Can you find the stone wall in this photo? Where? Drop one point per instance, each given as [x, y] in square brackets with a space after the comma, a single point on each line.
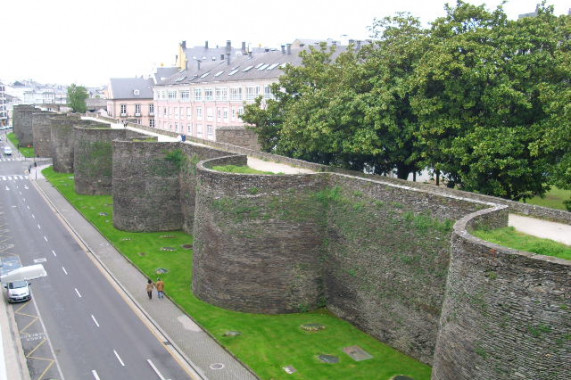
[93, 158]
[387, 259]
[22, 123]
[258, 240]
[146, 189]
[41, 123]
[239, 136]
[62, 141]
[506, 313]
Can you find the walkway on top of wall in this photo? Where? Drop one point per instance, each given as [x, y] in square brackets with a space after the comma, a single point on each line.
[541, 228]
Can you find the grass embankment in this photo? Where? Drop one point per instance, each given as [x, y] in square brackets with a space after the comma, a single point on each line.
[266, 343]
[26, 151]
[509, 237]
[554, 198]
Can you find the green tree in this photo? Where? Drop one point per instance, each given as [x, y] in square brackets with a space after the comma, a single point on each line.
[76, 96]
[485, 96]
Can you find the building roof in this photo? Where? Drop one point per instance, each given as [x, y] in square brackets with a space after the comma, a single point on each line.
[131, 88]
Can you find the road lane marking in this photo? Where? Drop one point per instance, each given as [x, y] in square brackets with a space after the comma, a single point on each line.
[94, 320]
[119, 358]
[95, 375]
[155, 369]
[39, 227]
[64, 271]
[40, 260]
[54, 252]
[46, 238]
[33, 216]
[78, 293]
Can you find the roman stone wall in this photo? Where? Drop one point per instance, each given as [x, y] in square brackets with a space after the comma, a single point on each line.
[239, 136]
[258, 240]
[62, 141]
[22, 123]
[41, 124]
[193, 154]
[506, 314]
[146, 188]
[387, 259]
[93, 158]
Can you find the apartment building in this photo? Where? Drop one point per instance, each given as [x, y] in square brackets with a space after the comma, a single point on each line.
[131, 100]
[211, 87]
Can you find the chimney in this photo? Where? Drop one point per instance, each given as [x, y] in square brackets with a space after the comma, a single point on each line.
[228, 51]
[243, 48]
[206, 44]
[288, 49]
[221, 57]
[183, 44]
[283, 49]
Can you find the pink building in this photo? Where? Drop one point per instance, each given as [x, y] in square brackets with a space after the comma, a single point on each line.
[131, 100]
[213, 86]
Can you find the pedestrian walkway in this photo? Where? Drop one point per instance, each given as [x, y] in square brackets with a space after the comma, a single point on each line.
[198, 348]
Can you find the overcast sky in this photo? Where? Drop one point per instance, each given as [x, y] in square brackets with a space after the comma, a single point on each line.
[65, 41]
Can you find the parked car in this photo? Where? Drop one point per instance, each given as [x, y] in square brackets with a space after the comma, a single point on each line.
[7, 151]
[18, 291]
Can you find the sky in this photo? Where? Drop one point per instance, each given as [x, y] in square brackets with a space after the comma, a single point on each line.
[86, 43]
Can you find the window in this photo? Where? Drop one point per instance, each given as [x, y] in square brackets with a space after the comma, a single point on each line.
[137, 110]
[199, 130]
[176, 112]
[210, 132]
[199, 113]
[189, 112]
[221, 93]
[165, 111]
[197, 94]
[252, 92]
[185, 95]
[209, 113]
[225, 114]
[208, 94]
[268, 92]
[219, 114]
[123, 110]
[189, 129]
[172, 94]
[151, 109]
[236, 93]
[152, 122]
[176, 127]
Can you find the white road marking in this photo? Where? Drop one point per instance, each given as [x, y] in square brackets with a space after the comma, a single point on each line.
[119, 358]
[94, 320]
[78, 293]
[54, 253]
[64, 271]
[33, 216]
[39, 227]
[95, 375]
[45, 238]
[40, 260]
[155, 369]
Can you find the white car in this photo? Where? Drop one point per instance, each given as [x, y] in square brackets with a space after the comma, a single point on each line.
[7, 151]
[18, 291]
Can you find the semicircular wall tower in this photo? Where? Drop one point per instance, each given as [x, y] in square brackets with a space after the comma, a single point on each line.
[257, 239]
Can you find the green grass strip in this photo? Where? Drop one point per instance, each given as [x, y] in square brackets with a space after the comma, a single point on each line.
[509, 237]
[266, 343]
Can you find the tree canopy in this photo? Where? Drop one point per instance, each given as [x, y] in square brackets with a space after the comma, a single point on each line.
[480, 99]
[76, 96]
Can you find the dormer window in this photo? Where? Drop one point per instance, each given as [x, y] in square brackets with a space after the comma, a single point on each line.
[136, 92]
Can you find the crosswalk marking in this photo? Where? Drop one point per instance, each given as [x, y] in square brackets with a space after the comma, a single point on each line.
[12, 177]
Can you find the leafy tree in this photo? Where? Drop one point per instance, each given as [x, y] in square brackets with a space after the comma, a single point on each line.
[76, 96]
[483, 97]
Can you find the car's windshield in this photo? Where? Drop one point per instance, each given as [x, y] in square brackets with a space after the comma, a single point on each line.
[17, 284]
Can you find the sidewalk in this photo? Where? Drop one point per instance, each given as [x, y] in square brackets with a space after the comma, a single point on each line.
[193, 344]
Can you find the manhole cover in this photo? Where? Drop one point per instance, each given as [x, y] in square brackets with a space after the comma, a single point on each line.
[312, 327]
[357, 353]
[216, 366]
[329, 359]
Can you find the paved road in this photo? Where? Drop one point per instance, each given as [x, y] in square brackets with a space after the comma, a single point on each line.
[541, 228]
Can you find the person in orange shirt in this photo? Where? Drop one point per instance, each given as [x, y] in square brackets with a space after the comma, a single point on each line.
[160, 288]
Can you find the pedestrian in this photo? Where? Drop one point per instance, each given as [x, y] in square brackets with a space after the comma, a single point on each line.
[160, 288]
[150, 287]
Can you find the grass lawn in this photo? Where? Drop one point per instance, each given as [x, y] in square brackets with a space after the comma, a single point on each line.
[26, 151]
[266, 343]
[509, 237]
[553, 199]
